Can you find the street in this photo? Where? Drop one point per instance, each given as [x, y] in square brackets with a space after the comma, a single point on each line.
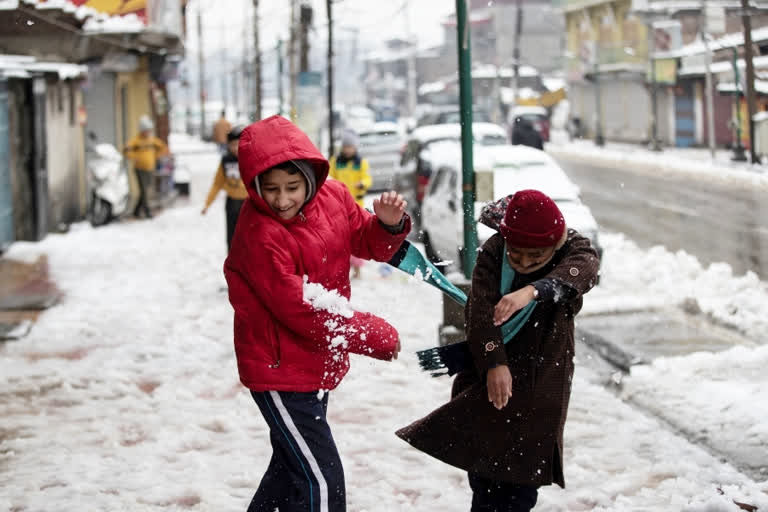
[714, 220]
[125, 396]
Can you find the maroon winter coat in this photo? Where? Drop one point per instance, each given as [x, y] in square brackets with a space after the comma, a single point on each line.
[523, 442]
[282, 343]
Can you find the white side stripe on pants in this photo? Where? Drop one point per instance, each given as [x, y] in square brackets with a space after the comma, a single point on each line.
[304, 450]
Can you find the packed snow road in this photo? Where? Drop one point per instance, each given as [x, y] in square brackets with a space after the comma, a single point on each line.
[125, 396]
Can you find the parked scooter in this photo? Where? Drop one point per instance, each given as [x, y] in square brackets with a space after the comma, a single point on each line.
[110, 189]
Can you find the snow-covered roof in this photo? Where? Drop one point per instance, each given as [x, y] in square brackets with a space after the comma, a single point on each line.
[22, 66]
[431, 87]
[727, 41]
[104, 24]
[761, 86]
[724, 66]
[491, 71]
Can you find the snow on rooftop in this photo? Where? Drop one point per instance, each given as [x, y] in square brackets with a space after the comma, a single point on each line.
[130, 23]
[491, 71]
[19, 66]
[9, 5]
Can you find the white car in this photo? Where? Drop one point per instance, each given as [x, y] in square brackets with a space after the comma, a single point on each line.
[499, 171]
[380, 145]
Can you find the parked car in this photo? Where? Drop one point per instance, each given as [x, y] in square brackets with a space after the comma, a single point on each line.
[451, 115]
[538, 116]
[499, 171]
[416, 161]
[380, 145]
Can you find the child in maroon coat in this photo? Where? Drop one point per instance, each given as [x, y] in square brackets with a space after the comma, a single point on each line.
[288, 278]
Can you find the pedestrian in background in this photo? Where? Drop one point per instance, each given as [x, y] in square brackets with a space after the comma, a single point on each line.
[293, 241]
[220, 130]
[143, 150]
[227, 177]
[352, 170]
[504, 424]
[524, 133]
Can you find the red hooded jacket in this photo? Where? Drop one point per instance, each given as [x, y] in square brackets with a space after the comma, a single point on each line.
[282, 342]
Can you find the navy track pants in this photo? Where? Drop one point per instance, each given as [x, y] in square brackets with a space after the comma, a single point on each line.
[305, 472]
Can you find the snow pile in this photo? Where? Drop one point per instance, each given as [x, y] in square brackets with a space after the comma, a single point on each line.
[632, 278]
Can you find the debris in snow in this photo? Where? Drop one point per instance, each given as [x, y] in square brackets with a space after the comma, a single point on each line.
[616, 377]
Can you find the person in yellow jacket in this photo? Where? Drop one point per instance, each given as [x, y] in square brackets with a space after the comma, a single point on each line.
[349, 168]
[228, 178]
[143, 150]
[352, 170]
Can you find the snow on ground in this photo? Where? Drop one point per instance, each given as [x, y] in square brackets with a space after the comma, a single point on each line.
[125, 396]
[686, 161]
[634, 278]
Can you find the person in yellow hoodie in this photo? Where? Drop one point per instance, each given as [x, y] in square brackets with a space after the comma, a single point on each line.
[143, 150]
[228, 178]
[352, 170]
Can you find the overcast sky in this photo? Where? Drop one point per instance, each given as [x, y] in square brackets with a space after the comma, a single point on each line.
[224, 21]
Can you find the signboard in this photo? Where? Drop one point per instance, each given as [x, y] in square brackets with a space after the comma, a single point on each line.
[310, 107]
[666, 71]
[715, 19]
[667, 36]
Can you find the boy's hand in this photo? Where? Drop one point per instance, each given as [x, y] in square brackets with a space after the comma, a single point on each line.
[499, 386]
[390, 208]
[511, 303]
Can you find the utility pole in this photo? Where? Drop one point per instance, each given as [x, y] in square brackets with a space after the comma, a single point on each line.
[655, 146]
[280, 76]
[745, 20]
[246, 66]
[201, 70]
[412, 93]
[738, 149]
[329, 13]
[467, 158]
[292, 61]
[708, 81]
[305, 21]
[516, 52]
[224, 89]
[257, 59]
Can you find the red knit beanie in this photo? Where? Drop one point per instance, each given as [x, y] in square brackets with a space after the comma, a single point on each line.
[532, 220]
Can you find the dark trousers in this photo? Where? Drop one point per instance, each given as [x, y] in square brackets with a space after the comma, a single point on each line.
[305, 472]
[233, 211]
[145, 182]
[494, 496]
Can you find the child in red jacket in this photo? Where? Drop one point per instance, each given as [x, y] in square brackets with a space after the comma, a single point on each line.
[288, 278]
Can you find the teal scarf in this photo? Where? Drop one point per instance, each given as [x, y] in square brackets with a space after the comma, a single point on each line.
[514, 324]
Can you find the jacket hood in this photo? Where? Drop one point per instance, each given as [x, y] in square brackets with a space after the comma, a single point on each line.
[273, 141]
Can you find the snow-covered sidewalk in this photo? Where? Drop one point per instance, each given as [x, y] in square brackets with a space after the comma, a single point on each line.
[637, 158]
[125, 396]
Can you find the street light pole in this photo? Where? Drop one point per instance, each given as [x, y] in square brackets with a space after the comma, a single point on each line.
[708, 82]
[599, 139]
[750, 70]
[738, 150]
[467, 158]
[655, 146]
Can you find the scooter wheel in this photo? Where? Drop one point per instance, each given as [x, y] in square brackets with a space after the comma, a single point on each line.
[101, 212]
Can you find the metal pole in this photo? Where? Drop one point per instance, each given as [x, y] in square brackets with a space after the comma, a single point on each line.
[750, 78]
[599, 140]
[708, 82]
[257, 59]
[468, 172]
[280, 76]
[292, 61]
[655, 146]
[201, 70]
[516, 51]
[412, 93]
[329, 11]
[738, 150]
